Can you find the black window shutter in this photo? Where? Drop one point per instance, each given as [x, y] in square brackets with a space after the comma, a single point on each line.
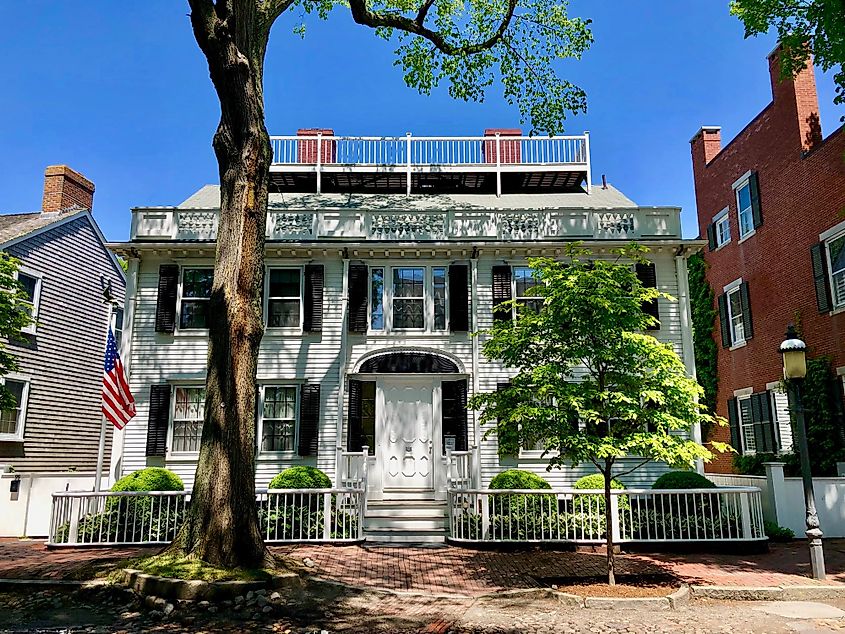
[455, 413]
[501, 291]
[168, 284]
[761, 415]
[733, 422]
[820, 278]
[309, 420]
[724, 322]
[158, 420]
[754, 189]
[647, 274]
[358, 296]
[509, 435]
[313, 318]
[354, 434]
[711, 236]
[747, 324]
[459, 298]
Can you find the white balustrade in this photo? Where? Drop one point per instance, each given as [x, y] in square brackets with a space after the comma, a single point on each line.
[578, 516]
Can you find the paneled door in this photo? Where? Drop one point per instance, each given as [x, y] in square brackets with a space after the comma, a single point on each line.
[406, 427]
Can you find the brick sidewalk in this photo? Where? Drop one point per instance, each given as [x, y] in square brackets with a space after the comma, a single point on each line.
[460, 570]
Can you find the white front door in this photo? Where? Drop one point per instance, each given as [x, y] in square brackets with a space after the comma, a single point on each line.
[406, 430]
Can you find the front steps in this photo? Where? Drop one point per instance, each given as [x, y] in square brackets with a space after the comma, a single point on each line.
[406, 521]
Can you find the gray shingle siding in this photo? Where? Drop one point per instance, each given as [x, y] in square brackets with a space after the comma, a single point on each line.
[64, 360]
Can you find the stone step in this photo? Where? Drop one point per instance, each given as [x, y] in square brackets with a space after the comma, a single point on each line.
[408, 523]
[403, 536]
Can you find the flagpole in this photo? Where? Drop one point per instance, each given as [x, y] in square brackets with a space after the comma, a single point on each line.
[101, 450]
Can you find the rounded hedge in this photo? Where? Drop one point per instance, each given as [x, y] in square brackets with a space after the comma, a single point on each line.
[301, 478]
[518, 479]
[596, 481]
[150, 479]
[682, 480]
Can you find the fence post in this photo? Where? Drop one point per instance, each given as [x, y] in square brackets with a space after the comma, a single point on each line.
[408, 164]
[319, 162]
[745, 513]
[338, 469]
[615, 525]
[75, 505]
[498, 165]
[327, 516]
[485, 517]
[448, 467]
[776, 492]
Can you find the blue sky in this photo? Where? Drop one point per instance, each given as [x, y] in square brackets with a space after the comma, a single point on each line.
[119, 91]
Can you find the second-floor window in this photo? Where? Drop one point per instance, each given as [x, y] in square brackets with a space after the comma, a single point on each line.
[188, 414]
[284, 298]
[12, 419]
[196, 292]
[743, 206]
[836, 253]
[722, 228]
[735, 314]
[414, 298]
[523, 281]
[409, 298]
[735, 317]
[31, 287]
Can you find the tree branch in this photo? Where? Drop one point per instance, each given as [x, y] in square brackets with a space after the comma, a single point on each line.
[272, 9]
[362, 14]
[643, 461]
[424, 11]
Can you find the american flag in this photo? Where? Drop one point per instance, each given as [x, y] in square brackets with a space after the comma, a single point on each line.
[118, 404]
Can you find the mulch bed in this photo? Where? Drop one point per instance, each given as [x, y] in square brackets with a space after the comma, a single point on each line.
[627, 586]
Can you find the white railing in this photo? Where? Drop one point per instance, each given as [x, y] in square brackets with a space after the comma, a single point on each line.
[460, 469]
[352, 469]
[578, 516]
[141, 517]
[404, 151]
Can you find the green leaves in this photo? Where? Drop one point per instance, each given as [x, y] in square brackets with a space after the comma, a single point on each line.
[591, 385]
[14, 316]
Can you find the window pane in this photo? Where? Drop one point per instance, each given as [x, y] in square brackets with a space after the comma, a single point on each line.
[743, 196]
[368, 415]
[187, 418]
[735, 307]
[9, 417]
[283, 313]
[524, 280]
[118, 326]
[837, 269]
[197, 282]
[438, 276]
[747, 423]
[284, 283]
[408, 282]
[377, 293]
[277, 435]
[278, 430]
[723, 231]
[280, 402]
[28, 283]
[408, 313]
[194, 314]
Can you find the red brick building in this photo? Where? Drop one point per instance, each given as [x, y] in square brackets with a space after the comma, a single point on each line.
[771, 203]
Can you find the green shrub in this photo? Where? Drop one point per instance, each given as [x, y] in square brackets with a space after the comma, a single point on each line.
[752, 464]
[584, 505]
[150, 479]
[777, 533]
[301, 477]
[596, 481]
[518, 479]
[682, 480]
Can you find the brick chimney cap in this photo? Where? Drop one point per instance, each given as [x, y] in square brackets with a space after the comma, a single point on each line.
[703, 129]
[502, 131]
[69, 172]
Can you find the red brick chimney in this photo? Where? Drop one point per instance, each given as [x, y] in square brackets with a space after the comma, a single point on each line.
[797, 100]
[705, 145]
[66, 189]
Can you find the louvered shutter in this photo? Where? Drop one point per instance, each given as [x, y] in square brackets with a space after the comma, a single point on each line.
[747, 322]
[459, 298]
[733, 423]
[764, 431]
[724, 322]
[309, 420]
[647, 274]
[354, 436]
[313, 295]
[501, 292]
[158, 420]
[711, 236]
[358, 296]
[508, 435]
[821, 279]
[754, 189]
[455, 413]
[168, 284]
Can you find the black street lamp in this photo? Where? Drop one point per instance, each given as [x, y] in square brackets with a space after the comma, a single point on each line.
[794, 353]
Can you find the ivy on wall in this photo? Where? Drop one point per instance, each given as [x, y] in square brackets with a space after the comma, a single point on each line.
[703, 322]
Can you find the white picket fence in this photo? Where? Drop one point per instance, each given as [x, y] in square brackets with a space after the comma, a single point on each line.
[578, 516]
[108, 518]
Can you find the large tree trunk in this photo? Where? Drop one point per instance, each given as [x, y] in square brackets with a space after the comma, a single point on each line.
[608, 523]
[221, 526]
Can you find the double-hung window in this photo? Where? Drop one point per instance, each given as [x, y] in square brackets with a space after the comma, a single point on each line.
[12, 418]
[196, 292]
[735, 317]
[836, 266]
[743, 206]
[284, 298]
[377, 298]
[278, 418]
[188, 414]
[746, 422]
[523, 281]
[118, 326]
[31, 288]
[408, 298]
[722, 226]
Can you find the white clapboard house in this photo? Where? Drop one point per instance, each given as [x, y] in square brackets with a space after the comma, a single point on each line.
[383, 255]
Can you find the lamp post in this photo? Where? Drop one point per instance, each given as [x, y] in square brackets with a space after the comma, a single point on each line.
[794, 353]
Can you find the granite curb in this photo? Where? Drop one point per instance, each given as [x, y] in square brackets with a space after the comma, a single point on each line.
[769, 593]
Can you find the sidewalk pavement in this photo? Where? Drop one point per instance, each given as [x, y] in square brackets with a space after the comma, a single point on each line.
[453, 570]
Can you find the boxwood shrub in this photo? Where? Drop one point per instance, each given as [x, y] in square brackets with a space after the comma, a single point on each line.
[682, 480]
[518, 479]
[301, 477]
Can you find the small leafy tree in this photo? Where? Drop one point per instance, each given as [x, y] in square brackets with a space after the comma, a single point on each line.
[590, 383]
[14, 316]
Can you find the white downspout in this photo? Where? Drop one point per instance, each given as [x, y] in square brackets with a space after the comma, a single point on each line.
[341, 370]
[476, 425]
[687, 347]
[131, 294]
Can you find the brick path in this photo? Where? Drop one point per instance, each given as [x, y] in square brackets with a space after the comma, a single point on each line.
[460, 570]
